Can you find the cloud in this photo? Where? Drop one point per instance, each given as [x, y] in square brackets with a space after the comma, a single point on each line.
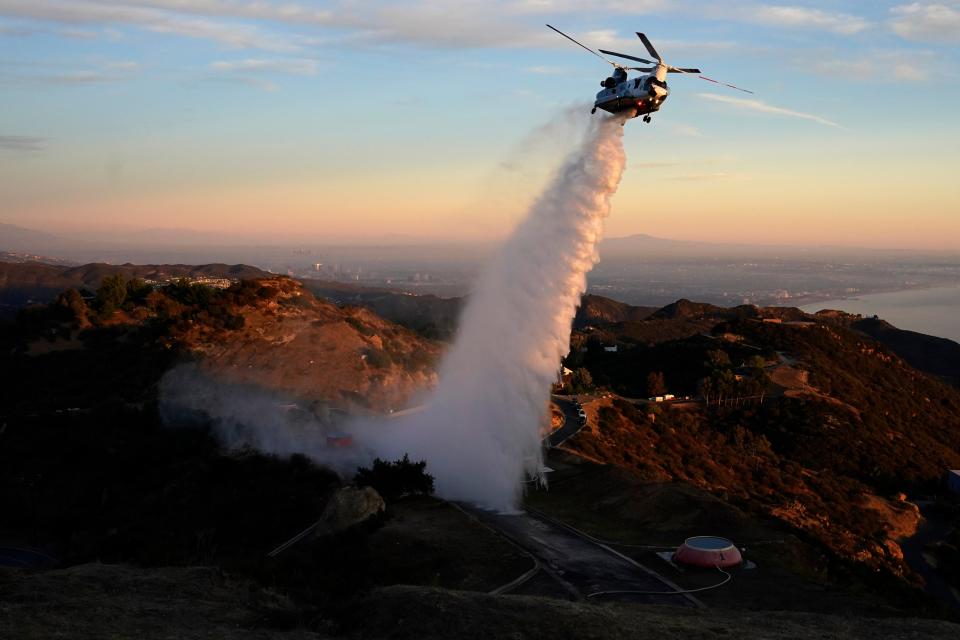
[57, 74]
[805, 18]
[701, 177]
[873, 65]
[763, 107]
[927, 21]
[122, 65]
[15, 31]
[547, 70]
[653, 165]
[251, 71]
[230, 34]
[291, 66]
[21, 143]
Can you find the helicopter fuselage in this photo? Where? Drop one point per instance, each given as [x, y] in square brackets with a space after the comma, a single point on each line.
[640, 95]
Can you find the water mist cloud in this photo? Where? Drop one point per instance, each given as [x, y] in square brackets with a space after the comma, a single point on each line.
[480, 435]
[480, 430]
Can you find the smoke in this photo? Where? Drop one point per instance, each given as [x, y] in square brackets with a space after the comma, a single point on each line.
[248, 416]
[481, 432]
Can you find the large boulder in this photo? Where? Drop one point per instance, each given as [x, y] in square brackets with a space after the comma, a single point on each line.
[349, 506]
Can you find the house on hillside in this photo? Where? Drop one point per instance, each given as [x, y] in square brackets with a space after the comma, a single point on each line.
[953, 480]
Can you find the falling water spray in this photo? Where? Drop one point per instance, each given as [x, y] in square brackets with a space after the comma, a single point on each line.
[480, 433]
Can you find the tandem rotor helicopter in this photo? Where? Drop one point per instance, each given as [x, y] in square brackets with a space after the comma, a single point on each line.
[642, 95]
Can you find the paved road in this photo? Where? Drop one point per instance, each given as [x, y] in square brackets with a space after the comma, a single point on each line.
[581, 566]
[571, 424]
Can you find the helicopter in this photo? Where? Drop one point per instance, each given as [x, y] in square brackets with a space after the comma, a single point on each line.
[642, 95]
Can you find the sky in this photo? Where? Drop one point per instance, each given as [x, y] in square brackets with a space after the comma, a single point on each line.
[353, 121]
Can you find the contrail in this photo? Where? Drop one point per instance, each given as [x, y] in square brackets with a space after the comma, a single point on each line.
[480, 435]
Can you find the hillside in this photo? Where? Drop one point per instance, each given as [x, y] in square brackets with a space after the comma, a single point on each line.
[811, 423]
[203, 603]
[267, 334]
[595, 309]
[927, 353]
[430, 316]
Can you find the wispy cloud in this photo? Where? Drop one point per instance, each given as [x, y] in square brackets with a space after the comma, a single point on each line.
[872, 65]
[144, 15]
[291, 66]
[653, 165]
[66, 74]
[763, 107]
[805, 18]
[927, 21]
[701, 177]
[21, 143]
[121, 65]
[547, 71]
[254, 72]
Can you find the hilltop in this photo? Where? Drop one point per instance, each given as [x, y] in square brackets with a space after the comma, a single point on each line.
[270, 333]
[25, 281]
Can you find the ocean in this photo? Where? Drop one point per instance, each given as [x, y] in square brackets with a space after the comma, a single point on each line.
[935, 312]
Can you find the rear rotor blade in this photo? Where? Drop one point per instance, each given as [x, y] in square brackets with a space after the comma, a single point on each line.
[696, 72]
[623, 55]
[585, 47]
[732, 86]
[644, 69]
[649, 45]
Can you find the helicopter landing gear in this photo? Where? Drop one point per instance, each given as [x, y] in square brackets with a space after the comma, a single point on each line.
[646, 119]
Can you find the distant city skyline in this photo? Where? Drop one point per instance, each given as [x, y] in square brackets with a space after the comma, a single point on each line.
[428, 120]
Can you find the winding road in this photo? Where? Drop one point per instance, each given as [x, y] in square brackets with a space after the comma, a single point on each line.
[571, 421]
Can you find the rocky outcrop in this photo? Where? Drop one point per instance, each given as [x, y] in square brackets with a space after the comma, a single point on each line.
[348, 507]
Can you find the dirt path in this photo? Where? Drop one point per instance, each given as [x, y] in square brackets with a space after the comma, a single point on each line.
[583, 567]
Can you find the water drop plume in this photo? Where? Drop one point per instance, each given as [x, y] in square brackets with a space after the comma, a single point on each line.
[481, 431]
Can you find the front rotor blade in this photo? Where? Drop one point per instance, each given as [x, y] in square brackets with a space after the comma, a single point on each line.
[623, 55]
[678, 70]
[644, 69]
[649, 45]
[584, 46]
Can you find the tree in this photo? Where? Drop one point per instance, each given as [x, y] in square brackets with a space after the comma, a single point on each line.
[656, 385]
[111, 294]
[393, 480]
[71, 306]
[137, 290]
[581, 381]
[717, 359]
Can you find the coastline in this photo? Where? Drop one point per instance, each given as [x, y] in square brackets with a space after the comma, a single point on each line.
[931, 310]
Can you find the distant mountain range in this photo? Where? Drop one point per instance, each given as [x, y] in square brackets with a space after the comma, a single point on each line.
[643, 245]
[122, 242]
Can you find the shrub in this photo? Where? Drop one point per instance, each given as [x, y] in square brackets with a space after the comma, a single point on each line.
[393, 480]
[377, 358]
[357, 324]
[111, 294]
